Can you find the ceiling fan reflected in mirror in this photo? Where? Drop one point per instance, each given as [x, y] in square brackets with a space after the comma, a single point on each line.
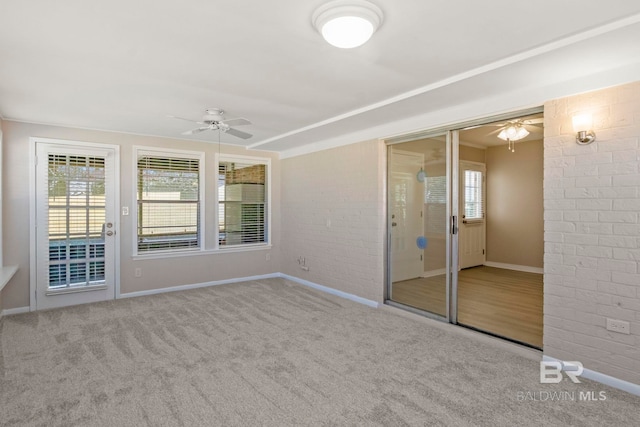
[213, 119]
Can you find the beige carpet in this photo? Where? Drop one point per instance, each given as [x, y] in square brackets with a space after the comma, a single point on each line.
[271, 353]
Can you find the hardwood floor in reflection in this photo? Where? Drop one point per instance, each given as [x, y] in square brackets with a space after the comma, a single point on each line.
[503, 302]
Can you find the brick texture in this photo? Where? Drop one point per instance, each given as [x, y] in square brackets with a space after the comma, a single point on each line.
[332, 204]
[592, 232]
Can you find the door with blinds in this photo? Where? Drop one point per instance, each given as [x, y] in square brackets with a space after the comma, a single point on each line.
[75, 218]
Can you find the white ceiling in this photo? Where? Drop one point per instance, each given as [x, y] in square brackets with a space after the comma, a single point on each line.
[125, 65]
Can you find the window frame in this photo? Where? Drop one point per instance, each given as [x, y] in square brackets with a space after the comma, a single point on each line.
[139, 151]
[253, 160]
[478, 168]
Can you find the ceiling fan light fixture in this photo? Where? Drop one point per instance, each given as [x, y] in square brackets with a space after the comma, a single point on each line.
[513, 132]
[347, 23]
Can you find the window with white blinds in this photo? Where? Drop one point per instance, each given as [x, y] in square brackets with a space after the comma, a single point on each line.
[242, 202]
[435, 199]
[473, 197]
[168, 199]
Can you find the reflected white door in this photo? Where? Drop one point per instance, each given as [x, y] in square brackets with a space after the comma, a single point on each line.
[407, 224]
[75, 224]
[472, 236]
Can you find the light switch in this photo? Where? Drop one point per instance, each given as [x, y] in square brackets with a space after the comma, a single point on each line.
[125, 210]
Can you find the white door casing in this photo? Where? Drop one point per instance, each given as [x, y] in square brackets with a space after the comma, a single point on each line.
[76, 223]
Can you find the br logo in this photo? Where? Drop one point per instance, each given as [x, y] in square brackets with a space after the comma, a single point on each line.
[551, 371]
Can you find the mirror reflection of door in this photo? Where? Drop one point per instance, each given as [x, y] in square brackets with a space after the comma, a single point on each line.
[406, 215]
[418, 215]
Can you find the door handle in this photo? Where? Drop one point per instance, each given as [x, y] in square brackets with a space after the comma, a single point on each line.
[393, 224]
[110, 233]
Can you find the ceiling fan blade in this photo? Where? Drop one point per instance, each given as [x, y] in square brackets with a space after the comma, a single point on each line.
[533, 121]
[238, 121]
[186, 120]
[238, 133]
[194, 131]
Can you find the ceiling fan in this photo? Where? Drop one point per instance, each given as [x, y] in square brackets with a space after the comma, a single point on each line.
[213, 119]
[529, 125]
[515, 130]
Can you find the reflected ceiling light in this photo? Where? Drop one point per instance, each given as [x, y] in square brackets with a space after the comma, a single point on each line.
[347, 23]
[512, 133]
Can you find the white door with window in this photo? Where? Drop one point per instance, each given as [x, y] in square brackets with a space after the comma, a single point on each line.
[472, 251]
[76, 223]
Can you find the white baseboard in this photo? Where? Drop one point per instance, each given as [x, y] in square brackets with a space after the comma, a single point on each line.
[10, 311]
[604, 379]
[525, 268]
[331, 291]
[326, 289]
[433, 273]
[196, 285]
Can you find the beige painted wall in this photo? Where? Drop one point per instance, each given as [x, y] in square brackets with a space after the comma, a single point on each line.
[333, 216]
[472, 154]
[592, 232]
[515, 205]
[157, 273]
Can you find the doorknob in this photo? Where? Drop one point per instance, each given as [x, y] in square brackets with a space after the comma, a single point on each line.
[393, 224]
[110, 233]
[109, 225]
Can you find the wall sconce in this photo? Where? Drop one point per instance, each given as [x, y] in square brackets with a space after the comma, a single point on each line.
[582, 124]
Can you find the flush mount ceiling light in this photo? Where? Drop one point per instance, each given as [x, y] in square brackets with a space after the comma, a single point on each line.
[347, 23]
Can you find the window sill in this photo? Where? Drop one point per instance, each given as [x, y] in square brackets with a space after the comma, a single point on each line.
[202, 252]
[6, 273]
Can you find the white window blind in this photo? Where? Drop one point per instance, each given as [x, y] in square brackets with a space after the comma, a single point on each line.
[76, 218]
[473, 197]
[242, 206]
[435, 199]
[168, 203]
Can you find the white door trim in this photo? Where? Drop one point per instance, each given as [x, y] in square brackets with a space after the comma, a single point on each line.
[33, 141]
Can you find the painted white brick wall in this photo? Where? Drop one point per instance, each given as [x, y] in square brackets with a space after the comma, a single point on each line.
[592, 232]
[332, 215]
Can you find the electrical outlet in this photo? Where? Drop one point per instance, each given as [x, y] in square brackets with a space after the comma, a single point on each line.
[137, 272]
[267, 257]
[619, 326]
